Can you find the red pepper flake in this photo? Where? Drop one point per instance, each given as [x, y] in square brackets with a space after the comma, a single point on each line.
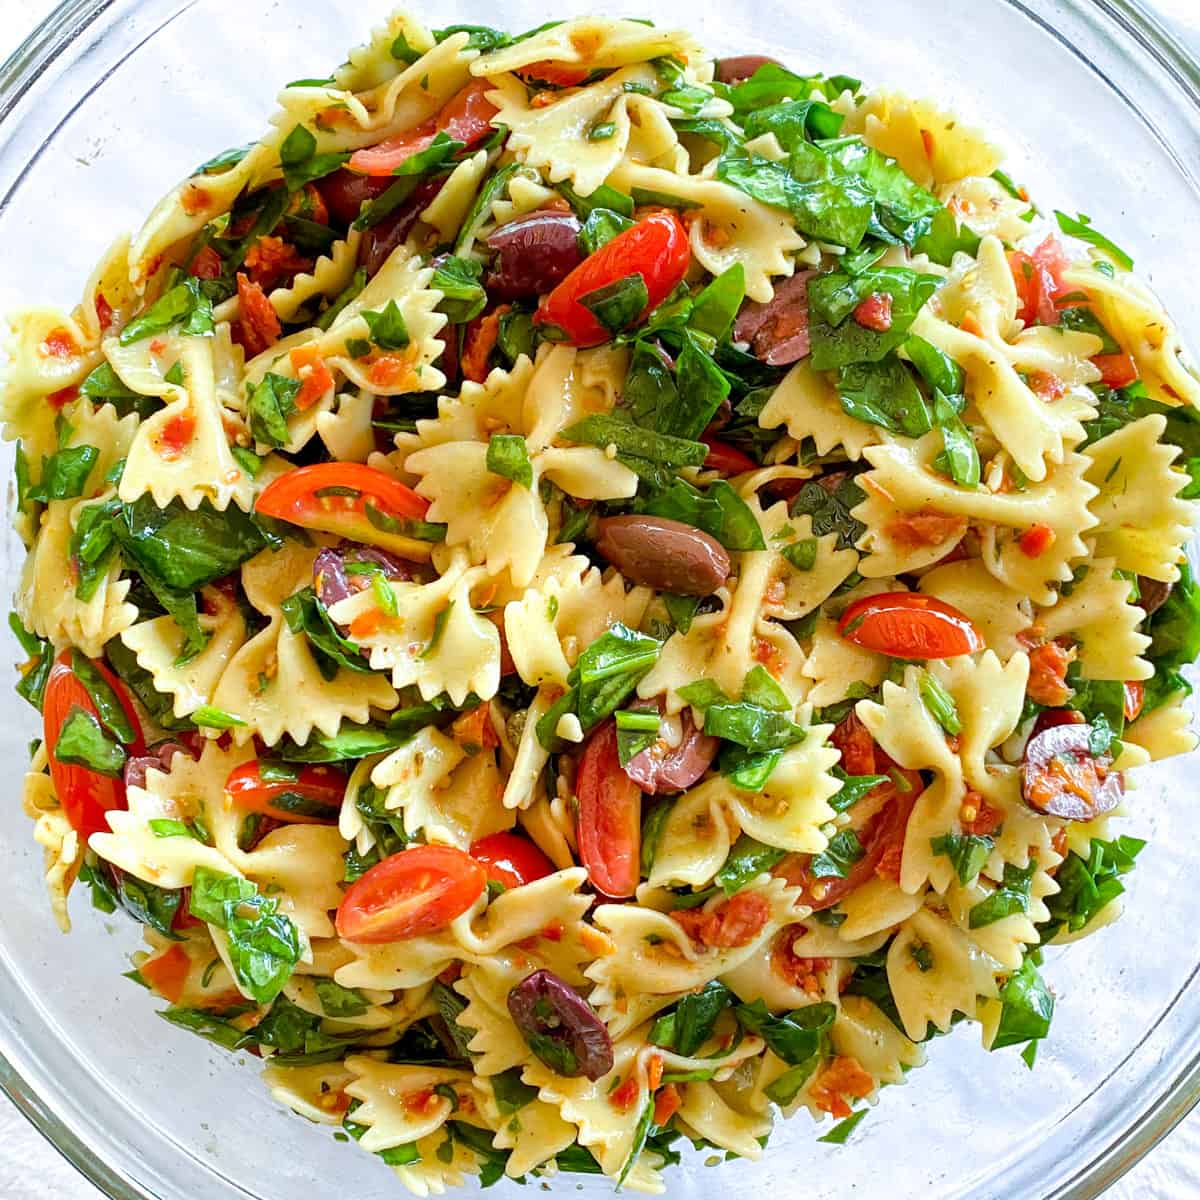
[62, 397]
[1036, 540]
[978, 817]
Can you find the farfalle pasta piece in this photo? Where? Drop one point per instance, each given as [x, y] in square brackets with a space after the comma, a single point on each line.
[695, 838]
[182, 451]
[46, 599]
[706, 1112]
[956, 976]
[904, 481]
[400, 1104]
[807, 404]
[348, 432]
[534, 1133]
[273, 683]
[445, 212]
[1132, 313]
[329, 277]
[1006, 940]
[313, 1092]
[987, 207]
[730, 226]
[879, 904]
[1143, 523]
[373, 63]
[803, 570]
[435, 640]
[62, 849]
[509, 929]
[1164, 731]
[1098, 616]
[995, 357]
[834, 663]
[862, 1032]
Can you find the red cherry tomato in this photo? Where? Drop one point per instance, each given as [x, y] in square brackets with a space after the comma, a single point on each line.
[466, 117]
[333, 497]
[84, 795]
[1117, 370]
[313, 797]
[610, 816]
[511, 859]
[727, 459]
[655, 248]
[1038, 279]
[909, 625]
[410, 894]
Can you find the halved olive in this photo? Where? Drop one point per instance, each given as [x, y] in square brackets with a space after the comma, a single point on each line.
[560, 1026]
[666, 555]
[1061, 777]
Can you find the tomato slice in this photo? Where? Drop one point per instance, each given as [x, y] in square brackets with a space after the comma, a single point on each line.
[909, 625]
[466, 117]
[167, 973]
[410, 894]
[1116, 370]
[312, 797]
[727, 459]
[655, 248]
[1038, 280]
[610, 816]
[84, 795]
[342, 498]
[511, 859]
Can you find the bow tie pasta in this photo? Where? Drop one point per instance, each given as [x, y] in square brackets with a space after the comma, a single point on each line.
[586, 595]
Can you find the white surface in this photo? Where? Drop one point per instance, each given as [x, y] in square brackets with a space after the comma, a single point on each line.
[30, 1169]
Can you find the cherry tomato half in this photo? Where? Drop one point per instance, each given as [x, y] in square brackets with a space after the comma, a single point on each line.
[84, 795]
[466, 117]
[727, 459]
[313, 797]
[1116, 370]
[1038, 280]
[334, 498]
[511, 859]
[410, 894]
[909, 625]
[655, 248]
[610, 816]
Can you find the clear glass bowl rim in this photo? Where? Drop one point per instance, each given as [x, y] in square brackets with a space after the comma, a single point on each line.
[21, 71]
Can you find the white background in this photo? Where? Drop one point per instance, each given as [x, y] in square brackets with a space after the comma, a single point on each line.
[30, 1169]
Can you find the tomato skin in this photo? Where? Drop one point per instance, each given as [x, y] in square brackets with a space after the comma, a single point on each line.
[410, 894]
[466, 117]
[322, 786]
[727, 459]
[875, 312]
[557, 74]
[258, 326]
[1116, 370]
[656, 248]
[293, 498]
[610, 816]
[167, 973]
[511, 859]
[84, 795]
[1135, 698]
[909, 625]
[1036, 540]
[1038, 280]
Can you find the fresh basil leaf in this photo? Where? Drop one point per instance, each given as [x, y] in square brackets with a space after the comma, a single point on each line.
[840, 1133]
[745, 862]
[83, 742]
[967, 852]
[830, 511]
[960, 456]
[759, 687]
[835, 861]
[353, 289]
[160, 705]
[1088, 886]
[104, 698]
[64, 474]
[637, 730]
[481, 37]
[696, 1015]
[786, 1087]
[939, 702]
[207, 716]
[599, 228]
[223, 161]
[838, 340]
[604, 430]
[338, 1001]
[752, 726]
[463, 297]
[209, 1026]
[854, 788]
[609, 669]
[272, 401]
[935, 366]
[885, 394]
[802, 554]
[1080, 227]
[1011, 897]
[945, 238]
[516, 335]
[34, 673]
[681, 610]
[716, 307]
[701, 386]
[602, 197]
[794, 121]
[796, 1036]
[305, 613]
[1028, 1008]
[508, 457]
[300, 161]
[718, 510]
[652, 828]
[702, 694]
[185, 305]
[388, 330]
[511, 1091]
[619, 304]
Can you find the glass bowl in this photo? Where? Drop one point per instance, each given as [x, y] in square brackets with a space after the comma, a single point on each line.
[110, 102]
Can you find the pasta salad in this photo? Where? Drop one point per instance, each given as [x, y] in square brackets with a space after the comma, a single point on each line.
[584, 594]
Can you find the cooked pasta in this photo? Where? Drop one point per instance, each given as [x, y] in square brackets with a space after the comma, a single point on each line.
[584, 594]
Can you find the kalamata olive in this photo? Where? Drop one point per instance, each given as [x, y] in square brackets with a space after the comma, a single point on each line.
[533, 253]
[1061, 777]
[560, 1026]
[666, 555]
[344, 192]
[158, 758]
[1152, 594]
[380, 240]
[1048, 718]
[332, 582]
[663, 768]
[777, 330]
[742, 66]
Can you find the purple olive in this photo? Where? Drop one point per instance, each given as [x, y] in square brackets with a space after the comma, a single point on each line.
[329, 577]
[1061, 777]
[533, 253]
[777, 330]
[562, 1028]
[158, 758]
[660, 769]
[332, 582]
[742, 66]
[1152, 594]
[666, 555]
[380, 240]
